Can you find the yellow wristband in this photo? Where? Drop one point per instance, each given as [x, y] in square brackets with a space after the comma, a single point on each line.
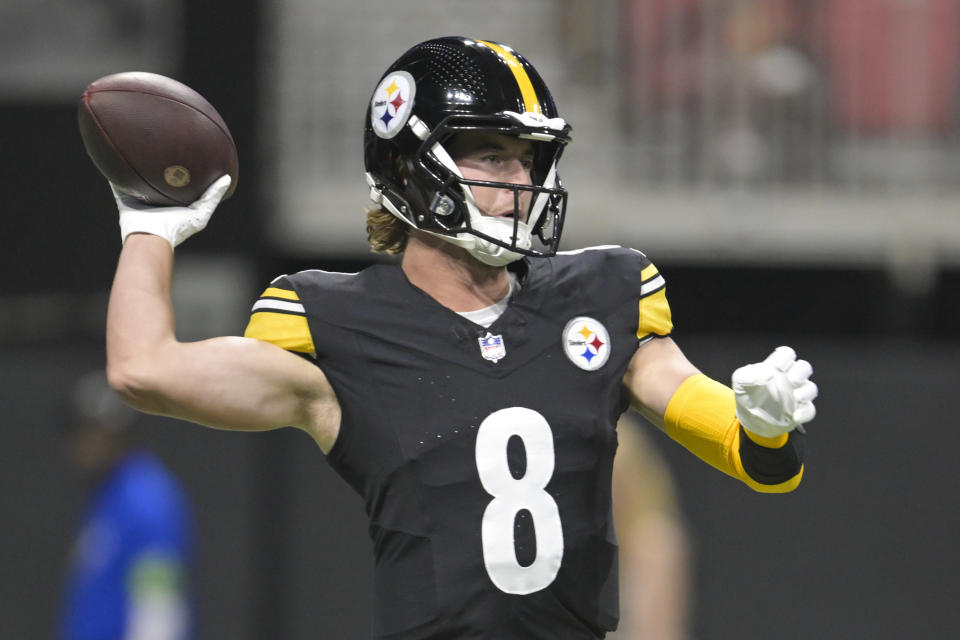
[702, 416]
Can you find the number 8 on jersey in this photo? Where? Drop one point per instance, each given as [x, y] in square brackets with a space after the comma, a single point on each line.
[512, 495]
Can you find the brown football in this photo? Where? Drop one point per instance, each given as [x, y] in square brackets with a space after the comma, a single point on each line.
[155, 138]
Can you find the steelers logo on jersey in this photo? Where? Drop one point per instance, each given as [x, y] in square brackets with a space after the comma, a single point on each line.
[587, 343]
[392, 103]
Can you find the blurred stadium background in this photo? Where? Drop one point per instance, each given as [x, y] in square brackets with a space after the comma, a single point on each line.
[790, 165]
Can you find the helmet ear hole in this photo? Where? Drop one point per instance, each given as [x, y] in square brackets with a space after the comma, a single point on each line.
[442, 205]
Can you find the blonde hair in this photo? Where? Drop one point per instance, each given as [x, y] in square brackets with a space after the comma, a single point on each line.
[386, 233]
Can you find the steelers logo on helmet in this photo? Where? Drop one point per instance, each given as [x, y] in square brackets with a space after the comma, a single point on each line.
[392, 103]
[587, 343]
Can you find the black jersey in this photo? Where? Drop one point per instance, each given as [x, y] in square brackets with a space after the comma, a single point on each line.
[483, 455]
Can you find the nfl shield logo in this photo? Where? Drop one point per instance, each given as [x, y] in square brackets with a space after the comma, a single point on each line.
[491, 347]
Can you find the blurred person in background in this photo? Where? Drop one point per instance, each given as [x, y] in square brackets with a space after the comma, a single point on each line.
[470, 390]
[129, 569]
[655, 544]
[734, 85]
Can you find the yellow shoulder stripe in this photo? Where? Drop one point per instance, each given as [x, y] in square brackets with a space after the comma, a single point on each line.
[654, 315]
[286, 330]
[285, 294]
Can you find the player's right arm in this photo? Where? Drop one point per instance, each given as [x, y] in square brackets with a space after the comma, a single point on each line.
[744, 431]
[226, 382]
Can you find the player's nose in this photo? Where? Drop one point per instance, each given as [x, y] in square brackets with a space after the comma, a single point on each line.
[517, 172]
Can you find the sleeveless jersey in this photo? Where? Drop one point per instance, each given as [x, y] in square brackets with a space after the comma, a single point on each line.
[483, 455]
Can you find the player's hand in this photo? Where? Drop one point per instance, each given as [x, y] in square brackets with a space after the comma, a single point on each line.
[775, 396]
[174, 224]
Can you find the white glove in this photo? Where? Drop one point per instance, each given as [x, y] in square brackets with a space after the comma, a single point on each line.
[174, 224]
[775, 396]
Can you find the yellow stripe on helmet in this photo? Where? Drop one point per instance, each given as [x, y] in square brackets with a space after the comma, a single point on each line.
[530, 100]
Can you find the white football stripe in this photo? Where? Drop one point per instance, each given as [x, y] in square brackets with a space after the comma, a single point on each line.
[278, 305]
[652, 285]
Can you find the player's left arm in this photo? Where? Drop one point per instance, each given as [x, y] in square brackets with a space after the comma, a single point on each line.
[749, 431]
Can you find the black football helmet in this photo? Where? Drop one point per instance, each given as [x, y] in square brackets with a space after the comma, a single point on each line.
[450, 85]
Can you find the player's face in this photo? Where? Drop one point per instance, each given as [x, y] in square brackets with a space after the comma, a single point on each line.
[495, 158]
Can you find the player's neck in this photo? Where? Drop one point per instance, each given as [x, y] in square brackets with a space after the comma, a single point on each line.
[451, 276]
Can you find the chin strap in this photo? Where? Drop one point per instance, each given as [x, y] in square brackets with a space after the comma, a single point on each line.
[483, 250]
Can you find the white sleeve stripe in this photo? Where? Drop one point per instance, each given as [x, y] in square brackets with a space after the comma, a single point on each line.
[266, 304]
[652, 285]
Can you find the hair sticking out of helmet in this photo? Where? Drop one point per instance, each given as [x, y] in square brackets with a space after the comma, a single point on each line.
[452, 85]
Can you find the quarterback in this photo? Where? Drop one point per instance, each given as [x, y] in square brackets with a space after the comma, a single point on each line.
[468, 391]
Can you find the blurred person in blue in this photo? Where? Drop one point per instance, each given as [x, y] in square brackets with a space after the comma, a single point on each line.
[128, 572]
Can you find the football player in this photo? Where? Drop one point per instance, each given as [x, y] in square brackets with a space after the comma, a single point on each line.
[469, 391]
